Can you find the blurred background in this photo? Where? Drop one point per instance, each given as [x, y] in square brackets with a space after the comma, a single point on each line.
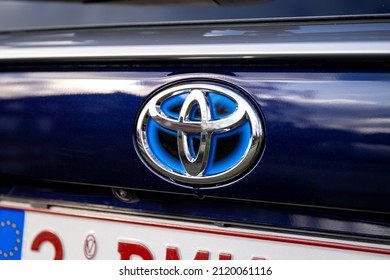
[17, 14]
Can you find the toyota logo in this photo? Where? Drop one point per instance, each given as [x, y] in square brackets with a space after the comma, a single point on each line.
[205, 134]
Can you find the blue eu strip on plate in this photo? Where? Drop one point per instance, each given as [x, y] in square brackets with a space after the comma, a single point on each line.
[11, 234]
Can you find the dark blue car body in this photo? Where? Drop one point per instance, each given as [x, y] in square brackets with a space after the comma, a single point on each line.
[69, 104]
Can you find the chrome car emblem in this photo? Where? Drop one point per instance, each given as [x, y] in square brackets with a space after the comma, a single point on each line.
[205, 134]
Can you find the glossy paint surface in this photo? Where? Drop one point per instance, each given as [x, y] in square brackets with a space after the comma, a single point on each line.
[327, 133]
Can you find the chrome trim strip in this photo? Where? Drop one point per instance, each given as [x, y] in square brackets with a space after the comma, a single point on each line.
[200, 51]
[244, 40]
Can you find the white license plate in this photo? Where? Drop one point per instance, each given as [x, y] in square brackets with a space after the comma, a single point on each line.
[62, 233]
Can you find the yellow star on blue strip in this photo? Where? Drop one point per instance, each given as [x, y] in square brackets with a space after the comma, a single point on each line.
[11, 234]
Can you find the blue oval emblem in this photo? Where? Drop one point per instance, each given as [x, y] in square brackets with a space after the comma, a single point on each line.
[199, 133]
